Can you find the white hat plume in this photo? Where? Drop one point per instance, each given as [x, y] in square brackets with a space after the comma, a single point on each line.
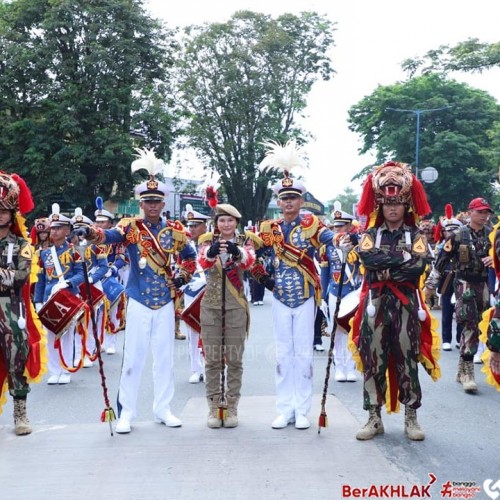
[147, 159]
[284, 158]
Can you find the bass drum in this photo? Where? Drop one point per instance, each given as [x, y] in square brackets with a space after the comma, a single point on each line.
[348, 307]
[60, 310]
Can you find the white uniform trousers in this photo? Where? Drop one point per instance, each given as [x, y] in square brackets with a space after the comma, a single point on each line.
[195, 357]
[147, 327]
[342, 356]
[294, 335]
[54, 366]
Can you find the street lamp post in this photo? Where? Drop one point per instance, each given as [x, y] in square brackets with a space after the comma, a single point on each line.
[417, 112]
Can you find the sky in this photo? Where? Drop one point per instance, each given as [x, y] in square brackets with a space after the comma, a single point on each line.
[372, 38]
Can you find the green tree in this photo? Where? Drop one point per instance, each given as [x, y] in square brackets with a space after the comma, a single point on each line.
[456, 141]
[75, 77]
[471, 56]
[347, 199]
[244, 82]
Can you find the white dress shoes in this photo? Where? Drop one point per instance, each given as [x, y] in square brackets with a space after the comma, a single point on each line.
[64, 378]
[281, 421]
[318, 347]
[123, 426]
[169, 420]
[196, 378]
[53, 380]
[302, 422]
[446, 346]
[351, 376]
[87, 362]
[340, 376]
[110, 350]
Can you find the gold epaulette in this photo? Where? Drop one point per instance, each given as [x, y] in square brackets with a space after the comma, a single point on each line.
[310, 225]
[205, 237]
[265, 226]
[258, 243]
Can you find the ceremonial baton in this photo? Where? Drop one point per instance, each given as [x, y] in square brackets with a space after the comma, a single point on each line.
[222, 403]
[323, 419]
[108, 414]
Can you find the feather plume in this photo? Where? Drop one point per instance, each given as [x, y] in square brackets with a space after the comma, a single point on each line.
[56, 209]
[211, 196]
[284, 158]
[146, 159]
[25, 202]
[448, 210]
[189, 207]
[99, 203]
[78, 212]
[337, 206]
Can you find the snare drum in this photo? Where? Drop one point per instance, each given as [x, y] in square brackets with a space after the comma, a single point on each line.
[60, 310]
[96, 294]
[113, 289]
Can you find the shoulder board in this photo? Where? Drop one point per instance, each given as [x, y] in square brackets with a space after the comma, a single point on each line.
[254, 238]
[265, 226]
[205, 237]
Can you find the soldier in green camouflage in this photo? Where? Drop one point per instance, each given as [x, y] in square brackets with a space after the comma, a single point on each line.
[15, 263]
[392, 316]
[468, 249]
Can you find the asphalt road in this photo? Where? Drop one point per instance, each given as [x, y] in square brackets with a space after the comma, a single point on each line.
[462, 431]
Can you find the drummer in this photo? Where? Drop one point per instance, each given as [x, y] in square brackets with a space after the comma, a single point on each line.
[116, 261]
[97, 266]
[331, 267]
[197, 225]
[60, 268]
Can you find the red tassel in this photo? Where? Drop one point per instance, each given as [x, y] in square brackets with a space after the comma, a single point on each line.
[419, 198]
[448, 210]
[26, 203]
[367, 201]
[34, 236]
[211, 197]
[323, 420]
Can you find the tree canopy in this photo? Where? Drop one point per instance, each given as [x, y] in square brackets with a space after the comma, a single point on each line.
[471, 56]
[455, 140]
[244, 82]
[76, 76]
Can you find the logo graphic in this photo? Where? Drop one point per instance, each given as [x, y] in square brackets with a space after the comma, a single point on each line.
[492, 490]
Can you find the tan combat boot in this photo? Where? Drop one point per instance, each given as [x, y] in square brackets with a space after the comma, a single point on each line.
[412, 428]
[468, 382]
[213, 421]
[232, 412]
[374, 425]
[461, 369]
[21, 422]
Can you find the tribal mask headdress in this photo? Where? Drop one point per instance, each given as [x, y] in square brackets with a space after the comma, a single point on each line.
[393, 183]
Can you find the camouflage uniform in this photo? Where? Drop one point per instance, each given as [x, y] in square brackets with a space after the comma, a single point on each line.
[465, 249]
[392, 334]
[13, 340]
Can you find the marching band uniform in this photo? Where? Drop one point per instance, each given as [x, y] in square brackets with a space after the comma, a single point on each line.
[115, 256]
[196, 224]
[151, 289]
[388, 332]
[468, 250]
[15, 263]
[331, 268]
[50, 281]
[97, 265]
[225, 316]
[292, 242]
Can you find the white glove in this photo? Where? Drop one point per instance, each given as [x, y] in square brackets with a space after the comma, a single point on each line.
[345, 244]
[59, 286]
[91, 280]
[493, 301]
[38, 306]
[197, 283]
[324, 307]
